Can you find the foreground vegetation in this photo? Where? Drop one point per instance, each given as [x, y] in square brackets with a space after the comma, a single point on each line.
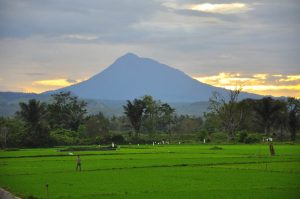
[64, 121]
[160, 171]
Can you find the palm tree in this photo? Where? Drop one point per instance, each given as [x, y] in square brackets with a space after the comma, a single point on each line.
[33, 114]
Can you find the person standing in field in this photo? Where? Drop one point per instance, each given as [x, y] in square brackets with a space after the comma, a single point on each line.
[78, 163]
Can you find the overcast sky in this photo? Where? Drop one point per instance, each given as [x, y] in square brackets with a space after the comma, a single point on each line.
[50, 44]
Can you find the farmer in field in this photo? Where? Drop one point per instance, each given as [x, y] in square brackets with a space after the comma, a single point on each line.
[78, 163]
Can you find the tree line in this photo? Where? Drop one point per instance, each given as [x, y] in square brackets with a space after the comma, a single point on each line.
[267, 117]
[64, 121]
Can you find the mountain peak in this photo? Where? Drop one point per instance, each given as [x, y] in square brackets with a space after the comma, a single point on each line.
[129, 55]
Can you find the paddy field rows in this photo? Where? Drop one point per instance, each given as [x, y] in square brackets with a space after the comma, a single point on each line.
[164, 171]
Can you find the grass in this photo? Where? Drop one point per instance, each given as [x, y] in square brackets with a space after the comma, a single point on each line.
[168, 171]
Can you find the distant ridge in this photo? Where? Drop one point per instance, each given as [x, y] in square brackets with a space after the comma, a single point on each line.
[131, 76]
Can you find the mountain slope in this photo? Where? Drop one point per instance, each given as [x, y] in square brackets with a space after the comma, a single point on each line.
[131, 77]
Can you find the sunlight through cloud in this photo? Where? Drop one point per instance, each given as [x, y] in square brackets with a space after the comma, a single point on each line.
[229, 8]
[224, 8]
[265, 84]
[54, 82]
[50, 84]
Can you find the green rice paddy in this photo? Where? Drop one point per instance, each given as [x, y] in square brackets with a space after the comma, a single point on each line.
[156, 172]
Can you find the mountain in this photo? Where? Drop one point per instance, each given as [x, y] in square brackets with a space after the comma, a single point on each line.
[131, 76]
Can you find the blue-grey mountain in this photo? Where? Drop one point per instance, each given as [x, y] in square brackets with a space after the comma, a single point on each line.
[131, 77]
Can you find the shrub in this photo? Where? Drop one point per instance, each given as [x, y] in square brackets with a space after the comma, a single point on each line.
[137, 140]
[242, 136]
[253, 138]
[202, 135]
[216, 148]
[118, 139]
[64, 137]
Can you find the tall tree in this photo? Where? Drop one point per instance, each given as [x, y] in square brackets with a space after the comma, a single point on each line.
[267, 110]
[66, 111]
[12, 132]
[134, 111]
[281, 120]
[97, 125]
[229, 111]
[33, 114]
[293, 116]
[166, 113]
[151, 111]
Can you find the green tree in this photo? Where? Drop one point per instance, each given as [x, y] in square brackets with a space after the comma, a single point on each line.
[151, 111]
[33, 114]
[166, 117]
[212, 123]
[187, 125]
[66, 111]
[64, 137]
[267, 111]
[293, 105]
[12, 132]
[97, 125]
[281, 120]
[134, 111]
[230, 112]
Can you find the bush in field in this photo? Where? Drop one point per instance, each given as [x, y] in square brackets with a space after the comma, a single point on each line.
[253, 138]
[202, 135]
[137, 140]
[118, 139]
[64, 137]
[242, 136]
[249, 138]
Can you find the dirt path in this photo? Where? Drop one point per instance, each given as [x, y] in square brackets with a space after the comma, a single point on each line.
[6, 195]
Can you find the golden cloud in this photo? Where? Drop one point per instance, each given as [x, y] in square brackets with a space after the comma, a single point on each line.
[49, 84]
[265, 84]
[260, 76]
[225, 8]
[54, 82]
[228, 8]
[290, 78]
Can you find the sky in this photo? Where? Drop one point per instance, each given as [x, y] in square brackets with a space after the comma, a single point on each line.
[46, 45]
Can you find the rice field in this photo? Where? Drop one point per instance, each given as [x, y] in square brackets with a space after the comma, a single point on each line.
[162, 171]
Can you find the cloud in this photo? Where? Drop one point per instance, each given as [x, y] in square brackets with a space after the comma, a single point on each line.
[261, 76]
[290, 78]
[266, 84]
[36, 74]
[43, 85]
[223, 8]
[54, 82]
[21, 19]
[81, 38]
[230, 8]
